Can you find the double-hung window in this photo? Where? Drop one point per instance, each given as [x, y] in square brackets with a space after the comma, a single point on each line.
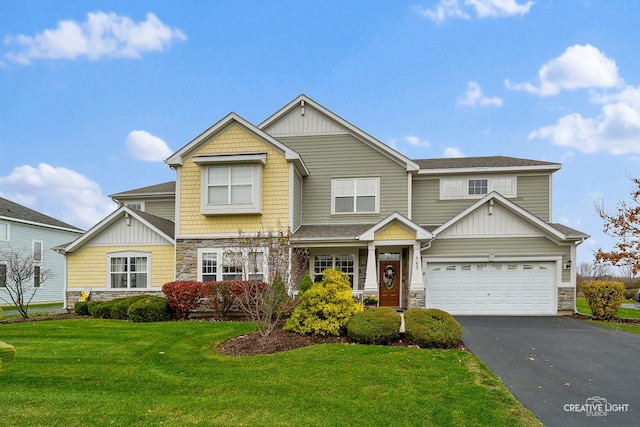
[4, 231]
[231, 184]
[129, 270]
[218, 264]
[355, 195]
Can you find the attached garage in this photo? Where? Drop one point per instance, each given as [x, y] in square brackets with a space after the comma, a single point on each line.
[493, 288]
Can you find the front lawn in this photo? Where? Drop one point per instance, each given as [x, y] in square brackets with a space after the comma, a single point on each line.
[107, 372]
[623, 313]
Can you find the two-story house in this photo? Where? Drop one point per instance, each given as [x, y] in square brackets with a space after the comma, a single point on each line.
[30, 237]
[467, 235]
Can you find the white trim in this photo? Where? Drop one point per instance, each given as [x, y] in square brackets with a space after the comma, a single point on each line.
[8, 228]
[410, 195]
[33, 252]
[255, 207]
[490, 186]
[40, 224]
[128, 254]
[355, 181]
[214, 159]
[421, 233]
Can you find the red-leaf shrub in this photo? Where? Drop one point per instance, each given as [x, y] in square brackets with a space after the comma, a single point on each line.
[183, 296]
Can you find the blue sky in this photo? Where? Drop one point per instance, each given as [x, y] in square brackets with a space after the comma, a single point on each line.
[94, 95]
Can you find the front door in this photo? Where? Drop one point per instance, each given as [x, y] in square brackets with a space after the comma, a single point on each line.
[389, 283]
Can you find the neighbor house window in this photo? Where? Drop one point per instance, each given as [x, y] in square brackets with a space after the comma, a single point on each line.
[4, 231]
[36, 276]
[129, 270]
[3, 275]
[470, 188]
[231, 183]
[355, 195]
[37, 251]
[342, 262]
[135, 205]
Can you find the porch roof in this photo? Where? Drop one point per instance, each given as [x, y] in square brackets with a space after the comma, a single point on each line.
[337, 232]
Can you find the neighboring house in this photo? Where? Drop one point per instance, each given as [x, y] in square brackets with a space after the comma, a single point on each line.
[32, 236]
[467, 235]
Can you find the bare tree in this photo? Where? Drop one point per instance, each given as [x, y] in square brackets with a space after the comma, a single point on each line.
[266, 263]
[21, 275]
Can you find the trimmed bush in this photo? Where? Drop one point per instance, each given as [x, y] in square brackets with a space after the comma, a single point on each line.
[120, 306]
[604, 297]
[91, 306]
[102, 310]
[431, 328]
[375, 326]
[184, 296]
[149, 309]
[326, 307]
[81, 308]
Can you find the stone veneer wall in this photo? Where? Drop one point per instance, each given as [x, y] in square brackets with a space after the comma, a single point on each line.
[417, 299]
[566, 300]
[74, 296]
[187, 257]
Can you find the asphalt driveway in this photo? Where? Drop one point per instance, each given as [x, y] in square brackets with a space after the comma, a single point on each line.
[566, 371]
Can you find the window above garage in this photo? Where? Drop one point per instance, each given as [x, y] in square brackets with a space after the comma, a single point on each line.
[477, 187]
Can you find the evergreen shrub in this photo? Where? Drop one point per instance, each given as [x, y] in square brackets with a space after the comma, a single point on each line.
[102, 310]
[604, 297]
[149, 309]
[120, 306]
[326, 307]
[305, 284]
[81, 308]
[431, 328]
[375, 326]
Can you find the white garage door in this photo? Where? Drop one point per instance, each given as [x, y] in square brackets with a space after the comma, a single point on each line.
[492, 288]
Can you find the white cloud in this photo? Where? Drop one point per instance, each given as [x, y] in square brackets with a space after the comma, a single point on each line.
[414, 141]
[453, 152]
[101, 35]
[499, 8]
[579, 67]
[474, 96]
[616, 130]
[446, 9]
[58, 192]
[141, 145]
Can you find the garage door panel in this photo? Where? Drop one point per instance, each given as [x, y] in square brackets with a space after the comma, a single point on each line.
[492, 288]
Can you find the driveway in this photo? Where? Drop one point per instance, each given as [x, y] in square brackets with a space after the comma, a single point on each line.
[566, 371]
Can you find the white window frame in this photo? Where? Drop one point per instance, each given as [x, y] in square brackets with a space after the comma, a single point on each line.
[255, 160]
[6, 236]
[355, 194]
[223, 263]
[135, 205]
[129, 255]
[316, 273]
[458, 188]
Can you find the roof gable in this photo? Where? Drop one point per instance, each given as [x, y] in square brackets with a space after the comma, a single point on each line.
[401, 220]
[304, 116]
[231, 119]
[121, 221]
[496, 215]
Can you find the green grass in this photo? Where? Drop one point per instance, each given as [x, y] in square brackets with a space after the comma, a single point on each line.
[104, 372]
[41, 309]
[623, 313]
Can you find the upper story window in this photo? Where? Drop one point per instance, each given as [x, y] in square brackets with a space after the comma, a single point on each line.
[37, 251]
[470, 188]
[231, 184]
[135, 205]
[355, 195]
[4, 231]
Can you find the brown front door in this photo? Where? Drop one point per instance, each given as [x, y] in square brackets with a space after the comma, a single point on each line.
[389, 283]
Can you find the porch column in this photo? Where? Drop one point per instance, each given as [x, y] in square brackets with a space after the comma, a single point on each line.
[371, 281]
[416, 269]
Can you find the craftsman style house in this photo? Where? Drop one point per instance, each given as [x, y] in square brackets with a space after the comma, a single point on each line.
[467, 235]
[28, 239]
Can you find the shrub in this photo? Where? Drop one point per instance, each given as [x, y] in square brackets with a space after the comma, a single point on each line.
[305, 284]
[604, 298]
[219, 298]
[326, 307]
[431, 328]
[81, 308]
[120, 306]
[630, 293]
[183, 296]
[102, 310]
[149, 309]
[91, 306]
[375, 326]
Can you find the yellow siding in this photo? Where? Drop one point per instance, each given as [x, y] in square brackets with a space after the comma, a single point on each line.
[88, 267]
[275, 188]
[395, 232]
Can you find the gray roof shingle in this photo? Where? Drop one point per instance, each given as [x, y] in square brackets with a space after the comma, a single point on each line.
[159, 189]
[12, 210]
[480, 162]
